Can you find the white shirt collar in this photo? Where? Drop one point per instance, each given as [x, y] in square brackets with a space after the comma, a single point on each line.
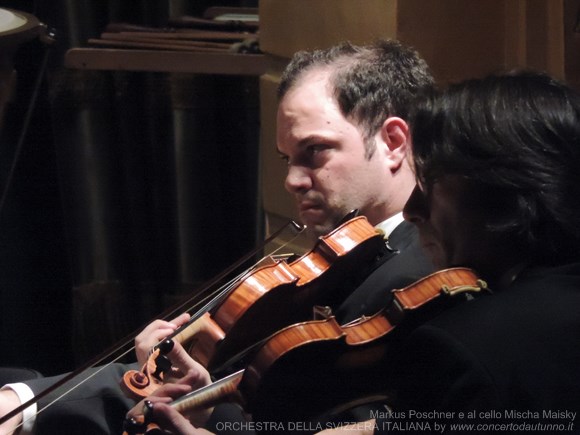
[387, 226]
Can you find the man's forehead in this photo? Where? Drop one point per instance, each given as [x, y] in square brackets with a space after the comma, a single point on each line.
[305, 106]
[316, 78]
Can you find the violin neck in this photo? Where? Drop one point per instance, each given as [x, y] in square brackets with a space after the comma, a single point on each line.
[222, 391]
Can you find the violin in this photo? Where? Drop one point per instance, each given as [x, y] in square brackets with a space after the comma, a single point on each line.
[258, 305]
[319, 367]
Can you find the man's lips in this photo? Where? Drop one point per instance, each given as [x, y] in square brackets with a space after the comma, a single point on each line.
[307, 206]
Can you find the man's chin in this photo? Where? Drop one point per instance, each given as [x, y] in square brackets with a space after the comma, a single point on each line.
[316, 229]
[319, 222]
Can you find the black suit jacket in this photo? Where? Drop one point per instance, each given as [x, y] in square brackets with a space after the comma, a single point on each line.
[405, 265]
[96, 407]
[511, 357]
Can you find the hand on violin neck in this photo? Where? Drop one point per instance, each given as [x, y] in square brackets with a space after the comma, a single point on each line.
[140, 418]
[156, 410]
[182, 364]
[155, 332]
[162, 362]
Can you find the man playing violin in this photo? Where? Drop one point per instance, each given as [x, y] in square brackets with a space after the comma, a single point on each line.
[497, 162]
[342, 131]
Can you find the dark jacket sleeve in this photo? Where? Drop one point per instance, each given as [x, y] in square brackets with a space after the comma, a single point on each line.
[96, 406]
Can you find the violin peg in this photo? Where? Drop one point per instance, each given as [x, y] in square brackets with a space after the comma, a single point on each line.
[162, 365]
[133, 426]
[166, 346]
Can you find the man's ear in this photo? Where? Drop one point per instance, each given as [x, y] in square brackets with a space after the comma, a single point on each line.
[396, 135]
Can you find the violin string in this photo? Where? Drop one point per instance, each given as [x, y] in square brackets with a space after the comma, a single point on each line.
[213, 298]
[219, 294]
[232, 283]
[298, 229]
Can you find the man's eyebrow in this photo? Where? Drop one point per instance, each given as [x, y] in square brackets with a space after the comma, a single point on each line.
[312, 139]
[308, 140]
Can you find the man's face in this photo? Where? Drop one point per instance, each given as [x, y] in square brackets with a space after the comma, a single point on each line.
[328, 172]
[452, 225]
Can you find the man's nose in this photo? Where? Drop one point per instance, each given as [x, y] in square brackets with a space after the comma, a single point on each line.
[297, 179]
[416, 209]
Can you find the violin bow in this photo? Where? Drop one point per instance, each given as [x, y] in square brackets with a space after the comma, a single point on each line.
[128, 340]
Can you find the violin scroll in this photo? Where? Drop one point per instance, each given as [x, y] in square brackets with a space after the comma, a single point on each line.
[203, 334]
[142, 383]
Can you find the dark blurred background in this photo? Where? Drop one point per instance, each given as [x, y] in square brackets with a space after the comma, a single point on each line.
[130, 189]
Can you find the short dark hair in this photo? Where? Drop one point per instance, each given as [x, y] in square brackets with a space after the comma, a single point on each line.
[370, 82]
[516, 138]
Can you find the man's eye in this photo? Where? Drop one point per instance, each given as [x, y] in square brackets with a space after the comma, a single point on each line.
[315, 149]
[285, 159]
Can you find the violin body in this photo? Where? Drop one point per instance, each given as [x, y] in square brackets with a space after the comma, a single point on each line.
[320, 377]
[256, 310]
[312, 370]
[267, 299]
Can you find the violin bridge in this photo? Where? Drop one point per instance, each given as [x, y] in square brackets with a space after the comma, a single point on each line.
[271, 260]
[321, 312]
